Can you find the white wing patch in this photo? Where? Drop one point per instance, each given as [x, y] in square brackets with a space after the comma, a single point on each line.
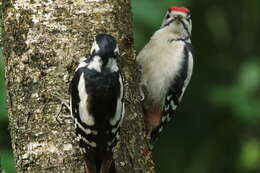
[173, 105]
[112, 65]
[119, 106]
[83, 112]
[95, 64]
[87, 131]
[92, 143]
[82, 64]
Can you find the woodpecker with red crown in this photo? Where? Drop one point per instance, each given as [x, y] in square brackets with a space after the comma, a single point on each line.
[166, 63]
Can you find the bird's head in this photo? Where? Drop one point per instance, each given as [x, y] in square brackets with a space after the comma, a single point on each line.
[105, 49]
[105, 46]
[178, 20]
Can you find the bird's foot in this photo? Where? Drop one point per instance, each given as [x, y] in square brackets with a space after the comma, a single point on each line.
[64, 102]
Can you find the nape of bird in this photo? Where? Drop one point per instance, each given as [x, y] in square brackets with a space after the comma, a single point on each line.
[166, 63]
[96, 100]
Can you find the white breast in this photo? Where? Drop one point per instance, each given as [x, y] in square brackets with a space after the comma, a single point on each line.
[160, 60]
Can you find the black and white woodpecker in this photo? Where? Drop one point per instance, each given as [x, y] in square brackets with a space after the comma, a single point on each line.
[96, 100]
[166, 63]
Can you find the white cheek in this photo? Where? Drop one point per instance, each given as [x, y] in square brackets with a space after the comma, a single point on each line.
[94, 47]
[116, 50]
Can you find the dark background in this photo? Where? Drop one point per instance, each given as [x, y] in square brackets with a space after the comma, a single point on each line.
[217, 125]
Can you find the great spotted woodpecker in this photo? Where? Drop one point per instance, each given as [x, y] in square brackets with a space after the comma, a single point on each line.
[96, 103]
[166, 63]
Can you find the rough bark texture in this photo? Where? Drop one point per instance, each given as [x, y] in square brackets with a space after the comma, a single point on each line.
[43, 41]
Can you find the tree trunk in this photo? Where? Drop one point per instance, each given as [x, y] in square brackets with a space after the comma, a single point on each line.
[43, 41]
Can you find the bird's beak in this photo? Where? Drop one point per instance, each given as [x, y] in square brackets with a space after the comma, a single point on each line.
[178, 18]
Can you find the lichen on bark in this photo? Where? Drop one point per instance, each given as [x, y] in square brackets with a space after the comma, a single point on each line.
[43, 41]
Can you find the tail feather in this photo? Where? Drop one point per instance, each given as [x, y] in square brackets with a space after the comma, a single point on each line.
[108, 166]
[90, 165]
[102, 165]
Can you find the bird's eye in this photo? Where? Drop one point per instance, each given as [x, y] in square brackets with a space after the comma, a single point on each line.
[168, 16]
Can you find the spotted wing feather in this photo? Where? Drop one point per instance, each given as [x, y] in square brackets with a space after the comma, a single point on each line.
[97, 108]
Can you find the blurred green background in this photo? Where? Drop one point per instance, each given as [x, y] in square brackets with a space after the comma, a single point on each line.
[217, 126]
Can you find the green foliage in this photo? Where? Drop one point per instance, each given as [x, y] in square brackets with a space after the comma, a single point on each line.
[7, 161]
[3, 111]
[250, 155]
[242, 96]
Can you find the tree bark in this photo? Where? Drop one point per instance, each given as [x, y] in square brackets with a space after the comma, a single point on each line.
[43, 41]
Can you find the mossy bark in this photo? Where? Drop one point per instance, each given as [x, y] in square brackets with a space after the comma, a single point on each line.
[43, 41]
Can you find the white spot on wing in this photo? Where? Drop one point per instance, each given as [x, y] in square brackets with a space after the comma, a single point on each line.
[95, 64]
[173, 105]
[160, 129]
[83, 150]
[164, 118]
[166, 108]
[92, 143]
[83, 112]
[86, 131]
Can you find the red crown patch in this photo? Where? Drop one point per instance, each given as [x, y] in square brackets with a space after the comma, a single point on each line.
[180, 9]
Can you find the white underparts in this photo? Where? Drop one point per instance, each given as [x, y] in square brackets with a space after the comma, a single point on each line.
[161, 61]
[84, 115]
